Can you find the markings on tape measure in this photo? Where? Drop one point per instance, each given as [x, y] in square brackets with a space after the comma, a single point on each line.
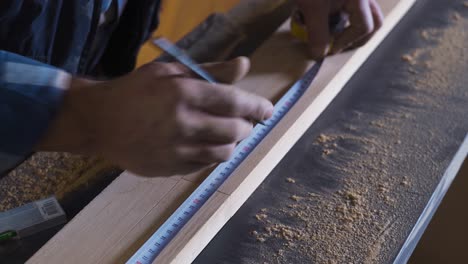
[156, 243]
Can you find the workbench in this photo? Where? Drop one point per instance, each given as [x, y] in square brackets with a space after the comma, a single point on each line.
[378, 152]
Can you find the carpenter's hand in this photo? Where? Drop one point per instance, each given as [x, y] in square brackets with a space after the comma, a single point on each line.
[365, 18]
[159, 120]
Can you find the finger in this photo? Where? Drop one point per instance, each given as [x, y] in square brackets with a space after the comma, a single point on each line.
[229, 71]
[228, 101]
[361, 24]
[316, 17]
[160, 69]
[206, 154]
[214, 129]
[377, 14]
[378, 17]
[224, 72]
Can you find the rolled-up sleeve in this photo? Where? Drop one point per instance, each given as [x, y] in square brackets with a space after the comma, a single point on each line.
[30, 96]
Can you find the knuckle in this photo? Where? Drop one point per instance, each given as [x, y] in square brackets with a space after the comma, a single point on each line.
[152, 69]
[181, 153]
[182, 121]
[239, 131]
[183, 88]
[366, 28]
[235, 102]
[218, 153]
[172, 68]
[260, 112]
[363, 31]
[233, 134]
[258, 106]
[178, 118]
[378, 23]
[369, 28]
[223, 153]
[160, 69]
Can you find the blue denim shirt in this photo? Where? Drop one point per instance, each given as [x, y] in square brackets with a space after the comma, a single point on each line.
[43, 43]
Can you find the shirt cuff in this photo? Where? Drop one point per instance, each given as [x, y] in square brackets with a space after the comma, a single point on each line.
[30, 96]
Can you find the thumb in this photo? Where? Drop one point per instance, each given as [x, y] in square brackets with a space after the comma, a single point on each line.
[228, 71]
[316, 15]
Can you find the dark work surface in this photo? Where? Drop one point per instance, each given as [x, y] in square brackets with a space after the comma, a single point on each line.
[374, 92]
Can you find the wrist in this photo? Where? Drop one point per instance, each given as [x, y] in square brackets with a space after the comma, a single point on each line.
[68, 131]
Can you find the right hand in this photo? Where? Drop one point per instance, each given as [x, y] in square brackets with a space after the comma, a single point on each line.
[159, 120]
[365, 18]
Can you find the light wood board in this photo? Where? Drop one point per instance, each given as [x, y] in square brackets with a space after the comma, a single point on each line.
[112, 227]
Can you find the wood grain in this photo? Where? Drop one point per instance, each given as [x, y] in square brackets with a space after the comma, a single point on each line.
[119, 220]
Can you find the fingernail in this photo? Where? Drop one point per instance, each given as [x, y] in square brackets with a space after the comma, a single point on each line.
[260, 122]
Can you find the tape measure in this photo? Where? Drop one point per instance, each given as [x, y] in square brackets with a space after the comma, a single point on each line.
[161, 238]
[338, 22]
[298, 28]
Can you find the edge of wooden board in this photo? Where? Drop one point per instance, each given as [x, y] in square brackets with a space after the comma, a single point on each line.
[206, 230]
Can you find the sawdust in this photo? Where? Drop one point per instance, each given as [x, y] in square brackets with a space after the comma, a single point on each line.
[295, 198]
[290, 180]
[412, 58]
[408, 58]
[368, 216]
[425, 34]
[46, 174]
[456, 16]
[322, 138]
[405, 182]
[328, 144]
[261, 216]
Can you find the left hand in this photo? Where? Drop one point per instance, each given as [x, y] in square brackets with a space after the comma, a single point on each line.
[365, 17]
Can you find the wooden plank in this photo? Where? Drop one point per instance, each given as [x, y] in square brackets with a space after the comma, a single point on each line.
[143, 229]
[101, 223]
[131, 208]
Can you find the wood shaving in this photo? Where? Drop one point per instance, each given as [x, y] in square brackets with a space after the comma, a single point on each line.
[45, 174]
[290, 180]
